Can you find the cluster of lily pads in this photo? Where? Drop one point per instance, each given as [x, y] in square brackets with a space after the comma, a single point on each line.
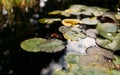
[92, 38]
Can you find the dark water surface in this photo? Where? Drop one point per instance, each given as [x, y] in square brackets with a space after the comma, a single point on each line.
[15, 61]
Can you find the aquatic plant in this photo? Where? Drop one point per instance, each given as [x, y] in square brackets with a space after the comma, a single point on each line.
[71, 33]
[42, 45]
[111, 36]
[80, 9]
[70, 22]
[48, 20]
[91, 64]
[89, 49]
[90, 21]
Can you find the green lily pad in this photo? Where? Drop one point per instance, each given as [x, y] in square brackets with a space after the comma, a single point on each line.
[99, 51]
[55, 12]
[109, 44]
[115, 72]
[107, 27]
[107, 30]
[72, 58]
[48, 20]
[59, 72]
[71, 33]
[44, 45]
[32, 45]
[116, 59]
[90, 21]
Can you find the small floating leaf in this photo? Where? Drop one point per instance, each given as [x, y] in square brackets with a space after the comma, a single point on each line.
[55, 12]
[48, 20]
[44, 45]
[70, 22]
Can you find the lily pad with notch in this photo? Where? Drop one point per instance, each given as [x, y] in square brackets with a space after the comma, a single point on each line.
[42, 45]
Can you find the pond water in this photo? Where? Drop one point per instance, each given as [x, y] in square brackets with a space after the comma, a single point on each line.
[14, 60]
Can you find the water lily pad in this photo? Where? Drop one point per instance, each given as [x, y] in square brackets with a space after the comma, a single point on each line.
[52, 45]
[116, 59]
[107, 27]
[99, 51]
[59, 72]
[71, 33]
[44, 45]
[88, 60]
[78, 7]
[70, 22]
[109, 15]
[109, 44]
[32, 45]
[107, 30]
[90, 21]
[117, 16]
[64, 29]
[91, 33]
[55, 12]
[48, 20]
[96, 11]
[72, 58]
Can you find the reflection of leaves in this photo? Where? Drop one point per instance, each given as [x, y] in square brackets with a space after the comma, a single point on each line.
[40, 44]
